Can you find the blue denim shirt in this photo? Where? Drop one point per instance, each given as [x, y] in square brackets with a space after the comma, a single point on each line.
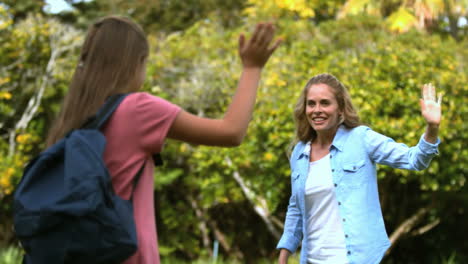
[354, 154]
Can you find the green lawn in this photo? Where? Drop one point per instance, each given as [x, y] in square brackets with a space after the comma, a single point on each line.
[13, 255]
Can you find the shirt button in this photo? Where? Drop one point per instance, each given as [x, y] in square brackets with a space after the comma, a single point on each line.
[331, 156]
[339, 203]
[336, 184]
[349, 252]
[344, 220]
[333, 170]
[346, 236]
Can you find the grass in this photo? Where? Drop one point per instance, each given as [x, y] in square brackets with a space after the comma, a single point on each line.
[13, 255]
[168, 260]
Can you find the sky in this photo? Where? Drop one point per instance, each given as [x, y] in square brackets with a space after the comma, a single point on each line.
[55, 6]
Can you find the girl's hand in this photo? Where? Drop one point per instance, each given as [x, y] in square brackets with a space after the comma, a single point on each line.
[430, 107]
[256, 51]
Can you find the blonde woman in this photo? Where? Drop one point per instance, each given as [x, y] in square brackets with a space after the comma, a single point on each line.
[334, 210]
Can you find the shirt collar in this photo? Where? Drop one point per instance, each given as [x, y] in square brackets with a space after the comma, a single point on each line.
[340, 137]
[338, 141]
[306, 150]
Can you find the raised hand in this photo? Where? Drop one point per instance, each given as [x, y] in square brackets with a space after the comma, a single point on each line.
[256, 51]
[430, 107]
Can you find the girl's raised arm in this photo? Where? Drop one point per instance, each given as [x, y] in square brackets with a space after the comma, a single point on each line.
[231, 129]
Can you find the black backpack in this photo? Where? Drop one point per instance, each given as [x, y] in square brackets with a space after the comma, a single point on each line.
[65, 208]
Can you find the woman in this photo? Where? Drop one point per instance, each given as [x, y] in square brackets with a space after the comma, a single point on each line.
[334, 208]
[113, 61]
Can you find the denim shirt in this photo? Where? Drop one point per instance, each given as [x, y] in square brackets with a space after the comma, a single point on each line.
[354, 154]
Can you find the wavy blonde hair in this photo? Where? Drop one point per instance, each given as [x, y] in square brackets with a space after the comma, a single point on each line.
[111, 60]
[350, 118]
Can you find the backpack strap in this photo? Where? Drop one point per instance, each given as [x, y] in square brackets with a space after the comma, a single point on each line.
[105, 112]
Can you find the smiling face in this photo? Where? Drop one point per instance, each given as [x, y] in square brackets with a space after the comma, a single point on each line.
[322, 110]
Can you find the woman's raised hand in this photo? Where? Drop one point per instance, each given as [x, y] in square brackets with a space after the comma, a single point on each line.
[430, 106]
[256, 51]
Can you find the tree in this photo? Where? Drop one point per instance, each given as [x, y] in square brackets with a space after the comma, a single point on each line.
[313, 10]
[33, 77]
[19, 10]
[162, 16]
[428, 15]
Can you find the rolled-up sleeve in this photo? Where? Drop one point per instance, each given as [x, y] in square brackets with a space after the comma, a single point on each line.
[292, 234]
[384, 150]
[427, 147]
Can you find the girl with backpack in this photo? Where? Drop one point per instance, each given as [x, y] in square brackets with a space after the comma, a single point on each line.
[113, 61]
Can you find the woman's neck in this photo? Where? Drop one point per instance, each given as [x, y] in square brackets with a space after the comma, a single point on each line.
[320, 145]
[324, 138]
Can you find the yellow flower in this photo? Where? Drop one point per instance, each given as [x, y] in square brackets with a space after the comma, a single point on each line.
[8, 190]
[268, 156]
[9, 172]
[4, 95]
[23, 138]
[183, 148]
[5, 182]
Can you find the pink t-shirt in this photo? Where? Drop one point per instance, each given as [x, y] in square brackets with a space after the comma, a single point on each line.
[134, 132]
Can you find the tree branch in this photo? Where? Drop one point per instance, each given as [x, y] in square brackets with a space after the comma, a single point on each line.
[199, 212]
[63, 34]
[425, 228]
[407, 225]
[259, 204]
[223, 241]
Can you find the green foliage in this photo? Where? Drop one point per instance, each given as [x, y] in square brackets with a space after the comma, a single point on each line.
[36, 55]
[21, 9]
[311, 10]
[292, 260]
[11, 255]
[205, 193]
[400, 16]
[155, 16]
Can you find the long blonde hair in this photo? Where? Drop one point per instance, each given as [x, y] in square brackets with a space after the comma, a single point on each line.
[350, 118]
[111, 61]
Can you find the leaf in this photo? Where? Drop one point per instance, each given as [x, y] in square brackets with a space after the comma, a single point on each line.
[402, 20]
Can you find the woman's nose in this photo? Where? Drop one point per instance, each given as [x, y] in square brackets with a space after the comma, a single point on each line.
[317, 109]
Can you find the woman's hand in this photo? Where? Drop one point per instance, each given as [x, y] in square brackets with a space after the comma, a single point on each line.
[283, 256]
[430, 107]
[256, 51]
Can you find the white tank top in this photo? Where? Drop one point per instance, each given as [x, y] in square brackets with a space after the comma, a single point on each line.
[324, 232]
